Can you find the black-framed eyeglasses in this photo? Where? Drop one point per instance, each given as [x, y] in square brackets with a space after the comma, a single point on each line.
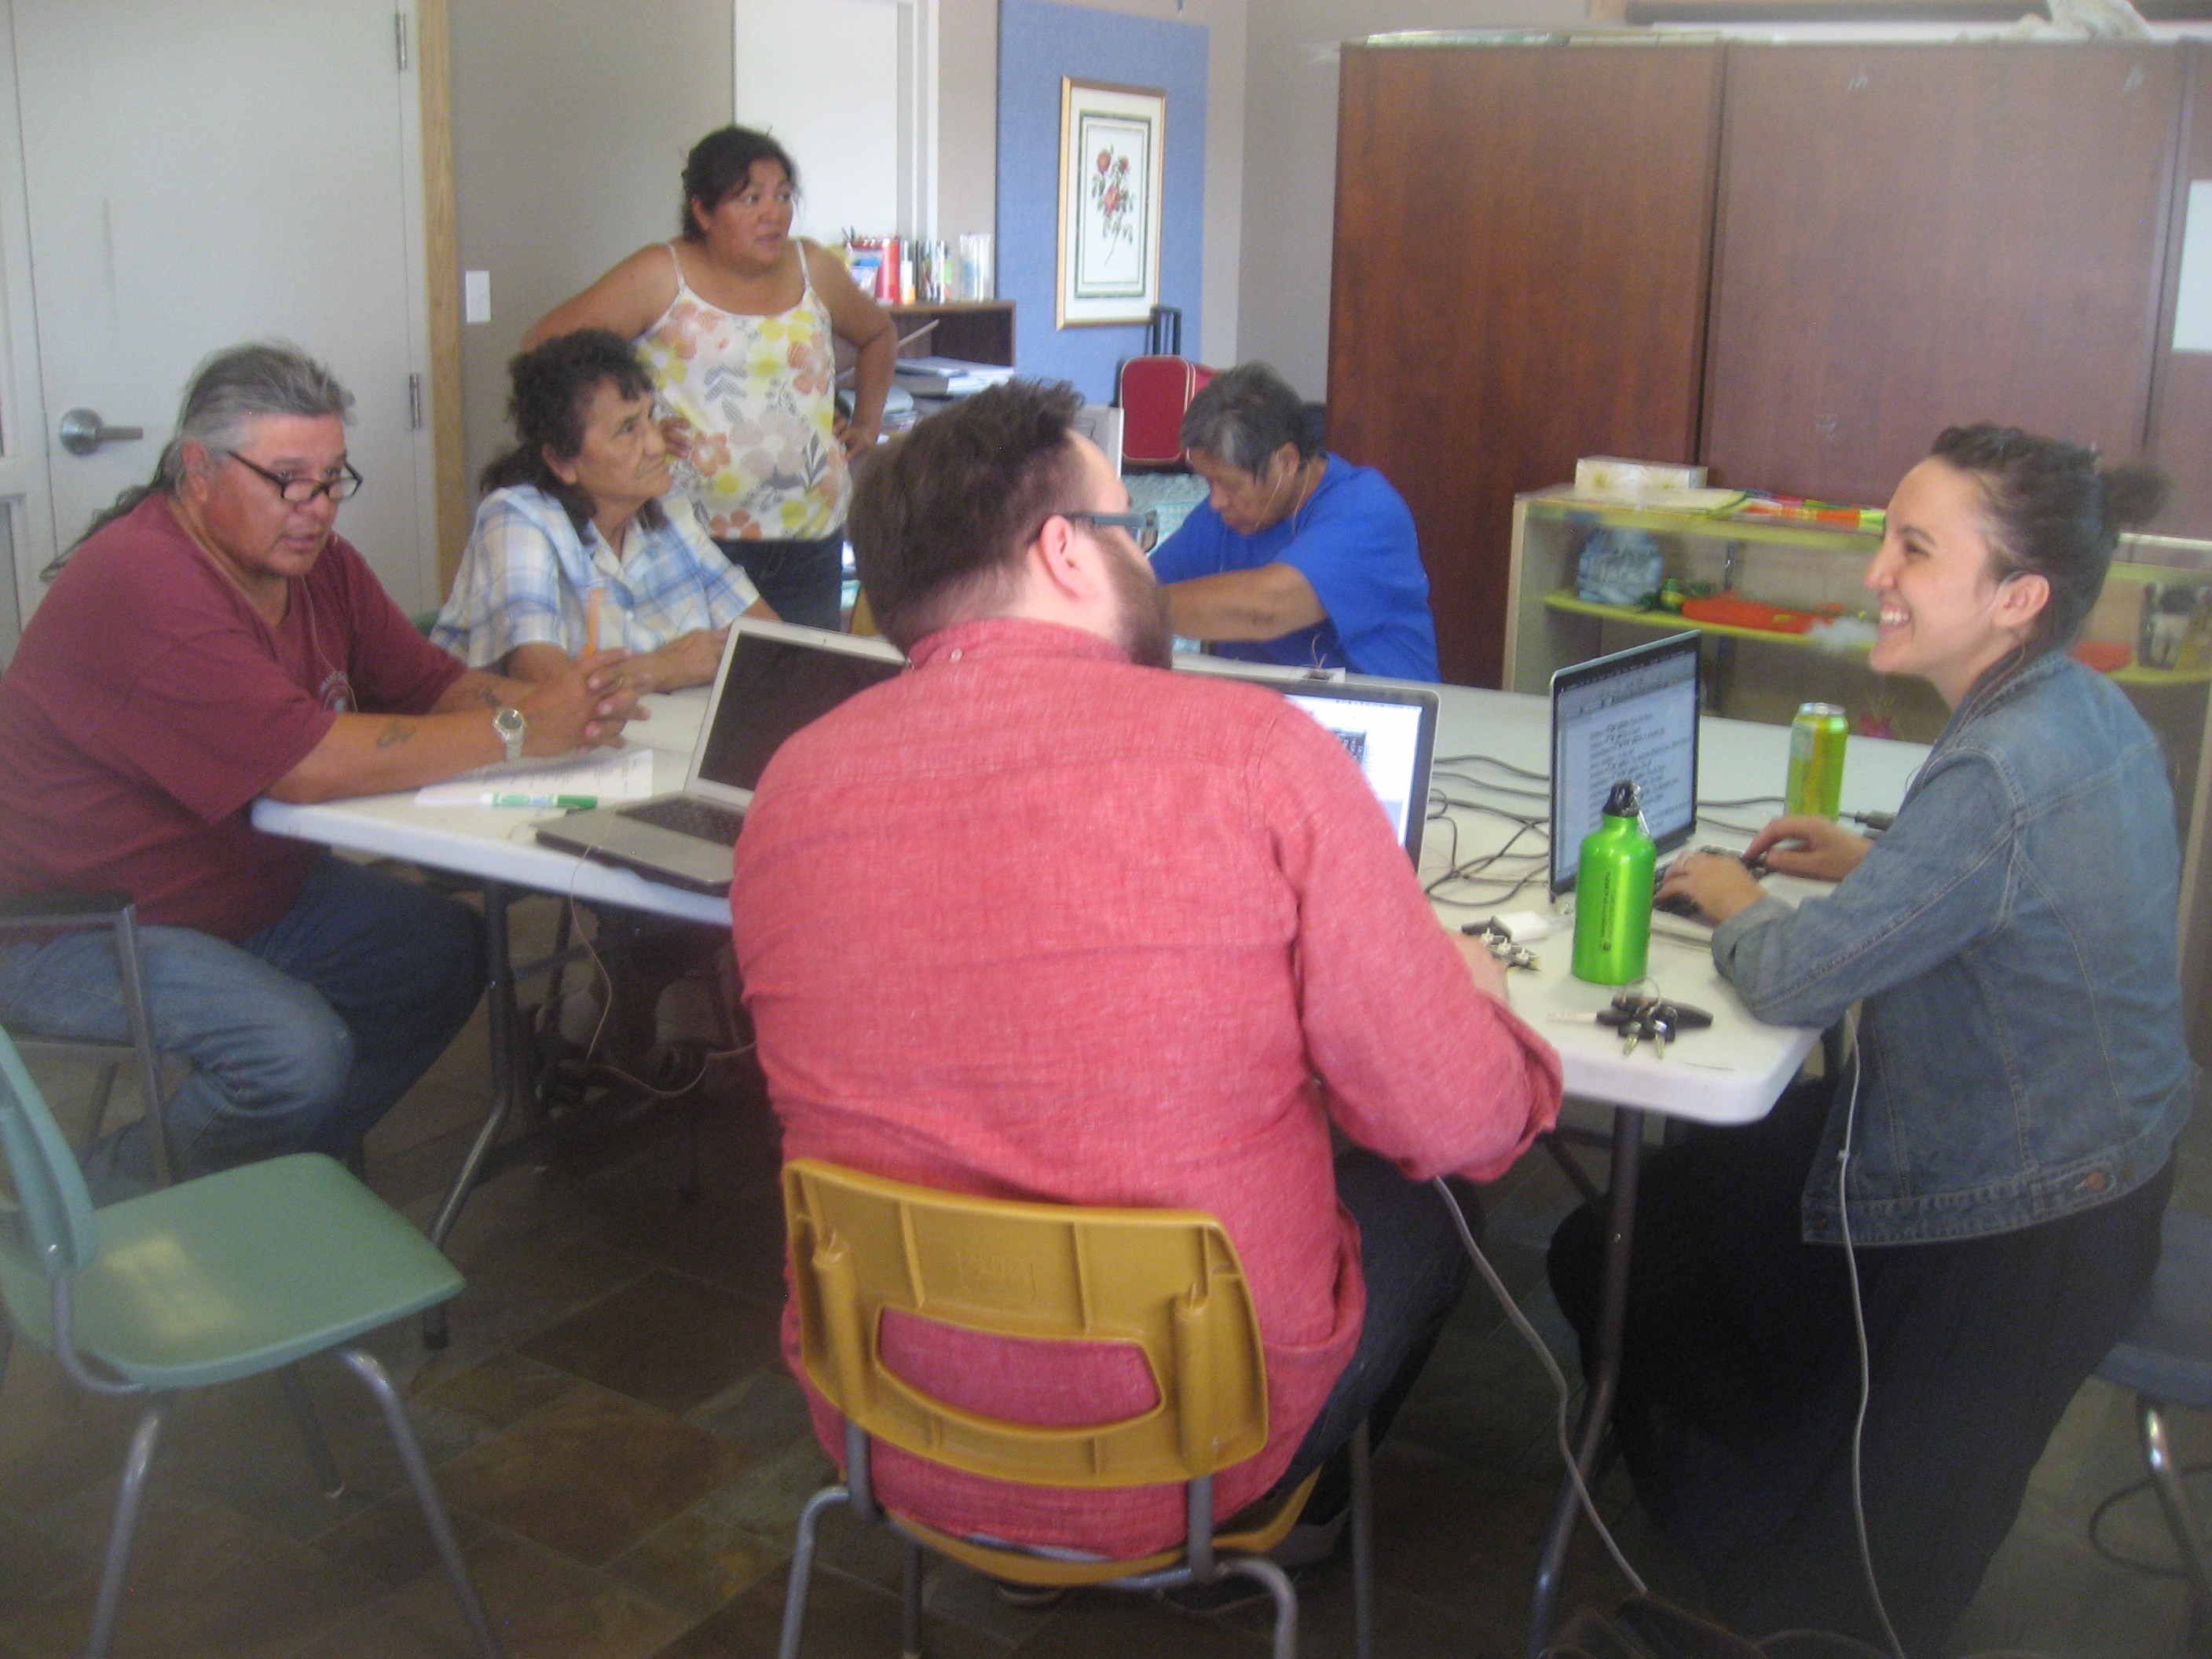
[1144, 527]
[299, 491]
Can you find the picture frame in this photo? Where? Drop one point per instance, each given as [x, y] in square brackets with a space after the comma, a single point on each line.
[1112, 165]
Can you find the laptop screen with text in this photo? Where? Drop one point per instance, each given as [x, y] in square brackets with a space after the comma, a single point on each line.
[1633, 716]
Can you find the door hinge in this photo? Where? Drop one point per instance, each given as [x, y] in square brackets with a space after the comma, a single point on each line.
[414, 403]
[400, 39]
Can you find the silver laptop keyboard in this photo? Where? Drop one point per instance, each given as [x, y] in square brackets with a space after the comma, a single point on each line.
[701, 820]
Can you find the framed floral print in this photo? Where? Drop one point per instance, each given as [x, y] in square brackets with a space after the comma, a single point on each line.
[1111, 140]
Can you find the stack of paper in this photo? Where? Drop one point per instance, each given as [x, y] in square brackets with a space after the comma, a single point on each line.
[949, 376]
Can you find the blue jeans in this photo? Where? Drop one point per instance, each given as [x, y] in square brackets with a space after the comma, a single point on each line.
[803, 581]
[1415, 1267]
[300, 1036]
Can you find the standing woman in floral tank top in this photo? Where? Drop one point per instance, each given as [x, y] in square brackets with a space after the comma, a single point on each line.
[735, 322]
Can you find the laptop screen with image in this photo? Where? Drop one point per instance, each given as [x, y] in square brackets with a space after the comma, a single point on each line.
[1390, 739]
[1389, 730]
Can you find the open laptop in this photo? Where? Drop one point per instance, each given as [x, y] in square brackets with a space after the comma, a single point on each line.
[1634, 715]
[1390, 730]
[775, 678]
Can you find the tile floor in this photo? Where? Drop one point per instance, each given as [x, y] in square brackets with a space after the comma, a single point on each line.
[624, 1456]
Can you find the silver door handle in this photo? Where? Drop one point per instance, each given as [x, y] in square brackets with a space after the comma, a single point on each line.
[82, 432]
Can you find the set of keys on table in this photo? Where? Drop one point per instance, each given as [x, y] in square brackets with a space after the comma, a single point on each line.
[1641, 1018]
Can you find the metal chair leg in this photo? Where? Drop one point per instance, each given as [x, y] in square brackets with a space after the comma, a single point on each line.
[1363, 1546]
[910, 1601]
[96, 1115]
[1278, 1583]
[802, 1569]
[130, 1500]
[510, 1081]
[363, 1364]
[328, 1480]
[692, 1182]
[142, 1041]
[2165, 1481]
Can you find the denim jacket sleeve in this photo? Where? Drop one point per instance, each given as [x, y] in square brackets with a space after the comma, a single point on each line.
[1938, 881]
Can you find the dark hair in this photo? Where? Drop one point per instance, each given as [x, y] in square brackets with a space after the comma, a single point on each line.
[229, 388]
[2052, 513]
[554, 382]
[941, 513]
[1247, 413]
[721, 163]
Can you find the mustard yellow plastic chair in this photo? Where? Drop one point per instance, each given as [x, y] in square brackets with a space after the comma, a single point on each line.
[250, 1270]
[1166, 1283]
[863, 619]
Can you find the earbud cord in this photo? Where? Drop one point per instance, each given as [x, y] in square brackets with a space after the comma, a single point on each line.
[1859, 1331]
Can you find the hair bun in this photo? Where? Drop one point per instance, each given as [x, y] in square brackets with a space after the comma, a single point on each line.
[2133, 496]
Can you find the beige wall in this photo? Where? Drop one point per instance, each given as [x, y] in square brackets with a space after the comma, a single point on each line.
[1290, 159]
[967, 116]
[571, 121]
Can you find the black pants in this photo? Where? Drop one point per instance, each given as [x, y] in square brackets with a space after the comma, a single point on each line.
[803, 581]
[1740, 1378]
[1415, 1267]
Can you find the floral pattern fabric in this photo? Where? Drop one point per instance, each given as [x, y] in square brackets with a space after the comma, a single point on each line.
[759, 393]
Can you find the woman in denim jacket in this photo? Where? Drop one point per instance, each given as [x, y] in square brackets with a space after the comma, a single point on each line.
[2004, 1135]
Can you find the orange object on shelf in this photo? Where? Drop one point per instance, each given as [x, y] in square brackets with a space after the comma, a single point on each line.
[2106, 656]
[1734, 610]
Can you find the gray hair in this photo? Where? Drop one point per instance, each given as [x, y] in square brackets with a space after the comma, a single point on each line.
[1245, 415]
[233, 386]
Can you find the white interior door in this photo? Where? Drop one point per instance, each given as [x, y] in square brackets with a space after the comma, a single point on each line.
[197, 175]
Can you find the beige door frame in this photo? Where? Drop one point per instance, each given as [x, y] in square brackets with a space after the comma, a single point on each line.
[441, 265]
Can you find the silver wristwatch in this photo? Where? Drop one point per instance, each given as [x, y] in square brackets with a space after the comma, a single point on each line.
[512, 728]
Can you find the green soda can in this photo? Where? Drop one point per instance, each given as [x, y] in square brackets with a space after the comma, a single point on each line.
[1612, 893]
[1817, 737]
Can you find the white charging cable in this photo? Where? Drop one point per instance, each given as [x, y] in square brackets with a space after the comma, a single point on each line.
[1528, 1334]
[1859, 1331]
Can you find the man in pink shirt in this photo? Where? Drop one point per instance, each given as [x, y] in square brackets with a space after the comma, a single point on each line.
[1041, 920]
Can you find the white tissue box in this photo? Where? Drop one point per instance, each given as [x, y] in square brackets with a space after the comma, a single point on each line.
[1620, 480]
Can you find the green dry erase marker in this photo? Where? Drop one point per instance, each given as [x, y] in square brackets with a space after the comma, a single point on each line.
[571, 803]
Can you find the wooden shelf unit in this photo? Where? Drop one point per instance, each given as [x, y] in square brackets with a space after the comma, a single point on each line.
[1752, 674]
[981, 331]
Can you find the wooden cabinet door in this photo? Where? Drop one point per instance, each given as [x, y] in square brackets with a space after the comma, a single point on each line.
[1522, 236]
[1910, 237]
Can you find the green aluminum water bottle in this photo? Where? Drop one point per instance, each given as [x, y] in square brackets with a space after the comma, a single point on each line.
[1612, 893]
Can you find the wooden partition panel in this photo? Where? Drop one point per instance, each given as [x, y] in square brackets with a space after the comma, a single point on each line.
[1520, 266]
[1912, 236]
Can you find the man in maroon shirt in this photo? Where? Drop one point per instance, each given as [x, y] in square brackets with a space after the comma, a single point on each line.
[1041, 920]
[208, 640]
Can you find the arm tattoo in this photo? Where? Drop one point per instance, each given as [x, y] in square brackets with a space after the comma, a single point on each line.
[398, 732]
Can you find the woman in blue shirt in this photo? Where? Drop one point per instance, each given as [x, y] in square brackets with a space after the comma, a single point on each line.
[1997, 1153]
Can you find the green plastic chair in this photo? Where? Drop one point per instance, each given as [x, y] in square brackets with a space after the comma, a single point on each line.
[249, 1270]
